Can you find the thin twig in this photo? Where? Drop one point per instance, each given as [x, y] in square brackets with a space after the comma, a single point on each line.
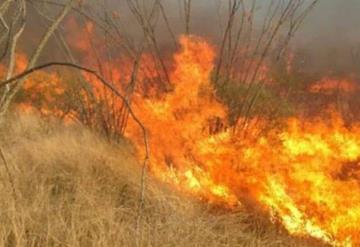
[126, 103]
[10, 93]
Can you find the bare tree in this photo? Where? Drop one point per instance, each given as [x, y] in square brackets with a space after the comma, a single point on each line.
[109, 86]
[11, 90]
[246, 46]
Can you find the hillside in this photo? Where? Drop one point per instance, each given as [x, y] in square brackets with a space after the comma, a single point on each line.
[73, 188]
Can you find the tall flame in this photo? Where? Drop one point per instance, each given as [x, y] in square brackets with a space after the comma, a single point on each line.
[306, 175]
[178, 124]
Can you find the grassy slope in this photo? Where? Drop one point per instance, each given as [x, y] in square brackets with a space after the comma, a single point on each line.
[75, 189]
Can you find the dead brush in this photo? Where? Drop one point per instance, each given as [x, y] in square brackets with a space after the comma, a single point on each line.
[74, 188]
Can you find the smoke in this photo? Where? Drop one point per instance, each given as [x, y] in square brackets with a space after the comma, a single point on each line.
[330, 38]
[333, 22]
[327, 41]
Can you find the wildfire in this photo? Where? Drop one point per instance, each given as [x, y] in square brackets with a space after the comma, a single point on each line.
[305, 175]
[40, 90]
[175, 147]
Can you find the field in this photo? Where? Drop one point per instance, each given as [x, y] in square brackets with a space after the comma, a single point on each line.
[73, 188]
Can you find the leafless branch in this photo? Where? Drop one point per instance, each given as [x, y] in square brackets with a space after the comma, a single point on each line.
[10, 93]
[109, 86]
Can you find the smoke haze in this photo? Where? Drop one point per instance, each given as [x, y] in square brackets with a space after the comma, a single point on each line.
[329, 39]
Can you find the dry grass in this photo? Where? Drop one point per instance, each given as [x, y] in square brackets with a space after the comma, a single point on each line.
[75, 189]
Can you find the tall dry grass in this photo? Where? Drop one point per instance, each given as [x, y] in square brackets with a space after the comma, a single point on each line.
[73, 188]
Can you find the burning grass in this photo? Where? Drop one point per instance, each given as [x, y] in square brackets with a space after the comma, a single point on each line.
[298, 170]
[73, 188]
[230, 122]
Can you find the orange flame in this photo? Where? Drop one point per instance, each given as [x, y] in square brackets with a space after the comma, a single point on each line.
[305, 175]
[178, 132]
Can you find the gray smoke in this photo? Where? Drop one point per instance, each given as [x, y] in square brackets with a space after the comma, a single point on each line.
[330, 37]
